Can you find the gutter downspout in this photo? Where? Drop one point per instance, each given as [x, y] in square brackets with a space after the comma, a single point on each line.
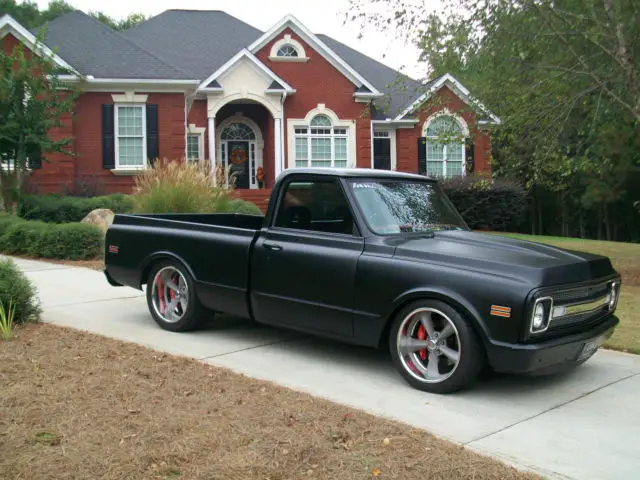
[282, 154]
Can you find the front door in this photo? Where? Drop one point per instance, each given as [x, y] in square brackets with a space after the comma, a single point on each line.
[238, 161]
[303, 267]
[382, 153]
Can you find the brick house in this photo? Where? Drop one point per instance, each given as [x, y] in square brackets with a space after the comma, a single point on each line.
[203, 84]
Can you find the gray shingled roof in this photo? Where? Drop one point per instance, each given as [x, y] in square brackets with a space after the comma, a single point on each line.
[198, 42]
[93, 48]
[400, 89]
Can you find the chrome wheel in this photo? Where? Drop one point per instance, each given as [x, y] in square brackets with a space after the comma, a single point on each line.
[170, 294]
[428, 345]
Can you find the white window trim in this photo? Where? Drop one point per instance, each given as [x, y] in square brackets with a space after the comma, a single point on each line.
[287, 40]
[465, 131]
[129, 97]
[392, 137]
[130, 168]
[258, 143]
[293, 123]
[200, 131]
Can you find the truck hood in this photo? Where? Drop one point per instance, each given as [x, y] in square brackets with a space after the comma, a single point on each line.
[541, 265]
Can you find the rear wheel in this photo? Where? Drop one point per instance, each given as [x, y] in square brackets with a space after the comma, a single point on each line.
[172, 299]
[434, 348]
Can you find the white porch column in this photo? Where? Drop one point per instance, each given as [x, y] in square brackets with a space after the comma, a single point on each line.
[212, 145]
[278, 163]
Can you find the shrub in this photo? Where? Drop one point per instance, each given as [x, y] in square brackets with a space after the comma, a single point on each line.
[181, 187]
[56, 209]
[487, 204]
[71, 241]
[17, 290]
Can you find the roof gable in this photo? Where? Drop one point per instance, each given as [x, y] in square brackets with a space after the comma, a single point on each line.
[448, 80]
[9, 25]
[279, 83]
[319, 46]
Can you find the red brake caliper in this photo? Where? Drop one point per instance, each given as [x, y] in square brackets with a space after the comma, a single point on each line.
[160, 287]
[422, 335]
[172, 293]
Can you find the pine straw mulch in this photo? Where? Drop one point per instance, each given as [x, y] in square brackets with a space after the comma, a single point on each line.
[77, 405]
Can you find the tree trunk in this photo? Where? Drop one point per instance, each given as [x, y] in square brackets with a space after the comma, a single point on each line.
[607, 222]
[600, 223]
[540, 230]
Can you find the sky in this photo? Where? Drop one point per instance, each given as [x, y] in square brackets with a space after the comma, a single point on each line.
[326, 16]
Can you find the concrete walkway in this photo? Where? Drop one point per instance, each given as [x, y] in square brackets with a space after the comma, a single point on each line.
[583, 425]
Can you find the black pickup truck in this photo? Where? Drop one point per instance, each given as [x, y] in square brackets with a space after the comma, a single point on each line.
[374, 258]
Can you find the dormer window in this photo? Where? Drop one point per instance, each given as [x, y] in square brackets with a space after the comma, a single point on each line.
[287, 49]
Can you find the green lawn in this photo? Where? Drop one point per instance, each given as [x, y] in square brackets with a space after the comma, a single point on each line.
[625, 258]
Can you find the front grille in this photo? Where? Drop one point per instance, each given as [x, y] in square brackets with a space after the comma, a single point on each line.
[575, 295]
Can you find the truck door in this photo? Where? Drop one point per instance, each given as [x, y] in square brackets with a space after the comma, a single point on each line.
[304, 264]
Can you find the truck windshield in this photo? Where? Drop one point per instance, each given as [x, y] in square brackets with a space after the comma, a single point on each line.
[399, 206]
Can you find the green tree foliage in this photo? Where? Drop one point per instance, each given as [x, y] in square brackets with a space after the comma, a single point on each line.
[28, 14]
[33, 102]
[564, 76]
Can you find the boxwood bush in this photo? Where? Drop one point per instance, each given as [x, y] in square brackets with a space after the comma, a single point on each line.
[71, 241]
[53, 208]
[487, 204]
[15, 288]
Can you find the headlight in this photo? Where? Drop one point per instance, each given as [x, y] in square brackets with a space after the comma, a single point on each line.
[541, 314]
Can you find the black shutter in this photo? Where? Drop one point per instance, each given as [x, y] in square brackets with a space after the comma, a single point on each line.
[422, 156]
[152, 132]
[35, 157]
[468, 155]
[108, 140]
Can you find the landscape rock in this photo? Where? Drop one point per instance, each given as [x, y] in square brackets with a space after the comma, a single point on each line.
[101, 217]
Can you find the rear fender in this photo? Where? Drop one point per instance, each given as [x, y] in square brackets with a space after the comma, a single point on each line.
[148, 262]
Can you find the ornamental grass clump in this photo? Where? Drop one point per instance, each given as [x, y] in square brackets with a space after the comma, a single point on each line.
[186, 187]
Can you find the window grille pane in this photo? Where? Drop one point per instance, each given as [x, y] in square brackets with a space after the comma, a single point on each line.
[454, 169]
[340, 146]
[321, 152]
[302, 152]
[321, 121]
[435, 158]
[130, 152]
[287, 51]
[193, 147]
[443, 125]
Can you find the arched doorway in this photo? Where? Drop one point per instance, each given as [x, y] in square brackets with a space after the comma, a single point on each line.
[240, 149]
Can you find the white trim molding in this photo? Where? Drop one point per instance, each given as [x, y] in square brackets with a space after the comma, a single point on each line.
[392, 139]
[9, 25]
[199, 131]
[460, 90]
[289, 21]
[129, 168]
[244, 53]
[321, 109]
[445, 112]
[129, 97]
[292, 42]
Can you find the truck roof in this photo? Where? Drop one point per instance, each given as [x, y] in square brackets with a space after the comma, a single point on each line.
[355, 172]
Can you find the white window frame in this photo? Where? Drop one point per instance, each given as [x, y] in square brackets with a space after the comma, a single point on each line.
[297, 123]
[116, 135]
[199, 131]
[332, 136]
[288, 42]
[464, 129]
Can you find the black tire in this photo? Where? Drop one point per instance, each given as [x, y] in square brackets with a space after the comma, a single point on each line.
[194, 314]
[471, 355]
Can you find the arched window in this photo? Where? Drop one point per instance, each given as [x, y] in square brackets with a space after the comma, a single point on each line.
[320, 144]
[445, 147]
[287, 51]
[237, 131]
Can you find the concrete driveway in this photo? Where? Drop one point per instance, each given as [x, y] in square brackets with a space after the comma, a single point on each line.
[581, 425]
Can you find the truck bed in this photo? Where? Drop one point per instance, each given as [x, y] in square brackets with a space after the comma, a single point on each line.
[215, 247]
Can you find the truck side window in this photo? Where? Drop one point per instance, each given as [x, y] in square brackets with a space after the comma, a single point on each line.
[318, 205]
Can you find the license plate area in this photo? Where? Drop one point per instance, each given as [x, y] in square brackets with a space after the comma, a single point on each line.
[590, 347]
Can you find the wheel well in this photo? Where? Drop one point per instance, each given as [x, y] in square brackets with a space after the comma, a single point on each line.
[144, 274]
[383, 342]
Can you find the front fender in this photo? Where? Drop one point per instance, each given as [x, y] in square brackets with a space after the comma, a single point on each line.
[445, 295]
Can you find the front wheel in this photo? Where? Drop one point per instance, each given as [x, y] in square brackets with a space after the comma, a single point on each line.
[172, 299]
[434, 348]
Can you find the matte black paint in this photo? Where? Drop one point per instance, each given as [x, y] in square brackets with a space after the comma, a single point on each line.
[348, 287]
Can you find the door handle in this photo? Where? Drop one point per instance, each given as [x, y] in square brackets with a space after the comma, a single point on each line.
[272, 246]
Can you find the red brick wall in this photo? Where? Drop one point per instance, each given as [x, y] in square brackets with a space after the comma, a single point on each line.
[407, 143]
[317, 81]
[198, 117]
